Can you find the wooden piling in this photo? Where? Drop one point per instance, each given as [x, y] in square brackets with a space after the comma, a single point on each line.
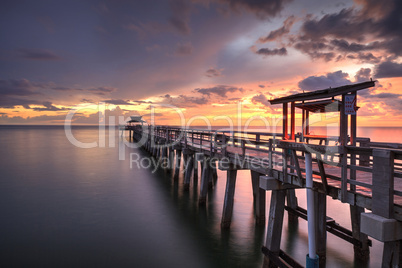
[392, 254]
[205, 176]
[361, 252]
[275, 223]
[291, 201]
[229, 197]
[259, 198]
[178, 160]
[189, 171]
[320, 203]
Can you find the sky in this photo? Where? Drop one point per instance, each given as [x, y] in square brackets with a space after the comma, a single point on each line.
[194, 61]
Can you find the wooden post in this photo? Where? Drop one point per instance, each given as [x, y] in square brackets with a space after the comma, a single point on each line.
[206, 173]
[363, 252]
[165, 162]
[291, 201]
[195, 167]
[275, 223]
[383, 183]
[343, 139]
[292, 120]
[285, 121]
[189, 171]
[178, 159]
[307, 122]
[303, 125]
[352, 155]
[392, 254]
[321, 226]
[364, 160]
[229, 197]
[171, 158]
[214, 176]
[259, 197]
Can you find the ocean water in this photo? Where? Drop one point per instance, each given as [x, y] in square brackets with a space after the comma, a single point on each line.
[66, 206]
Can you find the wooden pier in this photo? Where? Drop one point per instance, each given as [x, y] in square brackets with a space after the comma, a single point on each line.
[364, 174]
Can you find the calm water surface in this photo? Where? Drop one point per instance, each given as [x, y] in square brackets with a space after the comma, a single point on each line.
[64, 206]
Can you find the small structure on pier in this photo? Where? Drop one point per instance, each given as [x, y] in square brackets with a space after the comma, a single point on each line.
[374, 224]
[135, 120]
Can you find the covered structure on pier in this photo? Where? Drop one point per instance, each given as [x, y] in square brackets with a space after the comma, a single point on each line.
[323, 101]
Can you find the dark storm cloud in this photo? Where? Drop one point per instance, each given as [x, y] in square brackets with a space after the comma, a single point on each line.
[262, 8]
[37, 54]
[260, 98]
[388, 69]
[355, 29]
[118, 102]
[220, 90]
[272, 52]
[276, 34]
[212, 72]
[324, 81]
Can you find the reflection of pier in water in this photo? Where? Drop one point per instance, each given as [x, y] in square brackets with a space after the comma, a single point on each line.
[356, 171]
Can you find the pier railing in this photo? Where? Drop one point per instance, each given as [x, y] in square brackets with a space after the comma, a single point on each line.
[368, 174]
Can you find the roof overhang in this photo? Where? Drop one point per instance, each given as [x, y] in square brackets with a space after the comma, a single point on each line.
[324, 93]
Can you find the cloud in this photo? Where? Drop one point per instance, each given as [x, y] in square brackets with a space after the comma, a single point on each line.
[388, 69]
[180, 16]
[220, 90]
[11, 102]
[118, 102]
[368, 26]
[272, 52]
[276, 34]
[48, 106]
[37, 54]
[101, 91]
[260, 98]
[21, 87]
[183, 101]
[212, 72]
[261, 86]
[184, 49]
[365, 57]
[262, 8]
[334, 79]
[362, 75]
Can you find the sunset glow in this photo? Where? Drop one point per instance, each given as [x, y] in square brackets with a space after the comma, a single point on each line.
[205, 59]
